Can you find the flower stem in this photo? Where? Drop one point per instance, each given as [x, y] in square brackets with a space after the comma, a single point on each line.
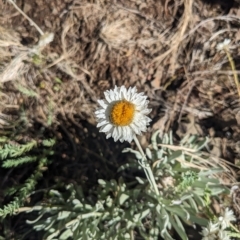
[232, 63]
[28, 18]
[146, 167]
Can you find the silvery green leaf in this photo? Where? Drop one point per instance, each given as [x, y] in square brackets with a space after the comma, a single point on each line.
[66, 234]
[116, 219]
[167, 236]
[63, 215]
[199, 184]
[99, 205]
[76, 201]
[136, 153]
[136, 217]
[176, 202]
[170, 138]
[73, 222]
[87, 207]
[185, 197]
[154, 231]
[201, 144]
[177, 167]
[160, 224]
[56, 193]
[140, 180]
[165, 139]
[148, 153]
[145, 213]
[193, 204]
[208, 180]
[154, 140]
[211, 172]
[139, 216]
[127, 236]
[143, 234]
[177, 224]
[191, 139]
[174, 155]
[184, 140]
[160, 153]
[199, 191]
[34, 221]
[158, 208]
[216, 190]
[70, 186]
[130, 224]
[39, 227]
[109, 201]
[179, 211]
[74, 226]
[122, 187]
[51, 223]
[123, 197]
[77, 207]
[35, 208]
[129, 165]
[165, 218]
[55, 234]
[198, 199]
[113, 184]
[198, 220]
[136, 193]
[152, 194]
[51, 230]
[102, 182]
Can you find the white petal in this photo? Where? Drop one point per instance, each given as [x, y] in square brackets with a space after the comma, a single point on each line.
[146, 111]
[120, 131]
[102, 103]
[106, 128]
[100, 111]
[107, 97]
[101, 115]
[135, 128]
[100, 124]
[108, 135]
[112, 95]
[114, 134]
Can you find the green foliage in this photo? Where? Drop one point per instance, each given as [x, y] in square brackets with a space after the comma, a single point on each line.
[13, 155]
[26, 91]
[235, 235]
[17, 162]
[12, 150]
[118, 209]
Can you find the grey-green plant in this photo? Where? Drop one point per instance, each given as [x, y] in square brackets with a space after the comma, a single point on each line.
[13, 155]
[130, 209]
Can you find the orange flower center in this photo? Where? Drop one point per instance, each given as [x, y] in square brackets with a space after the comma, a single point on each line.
[122, 113]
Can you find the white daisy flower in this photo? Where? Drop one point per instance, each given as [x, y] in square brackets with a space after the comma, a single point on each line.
[223, 235]
[227, 217]
[223, 44]
[122, 114]
[209, 233]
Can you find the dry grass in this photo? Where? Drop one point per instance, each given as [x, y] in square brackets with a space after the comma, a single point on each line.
[167, 49]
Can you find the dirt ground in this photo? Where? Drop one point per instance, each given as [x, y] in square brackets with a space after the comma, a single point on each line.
[168, 49]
